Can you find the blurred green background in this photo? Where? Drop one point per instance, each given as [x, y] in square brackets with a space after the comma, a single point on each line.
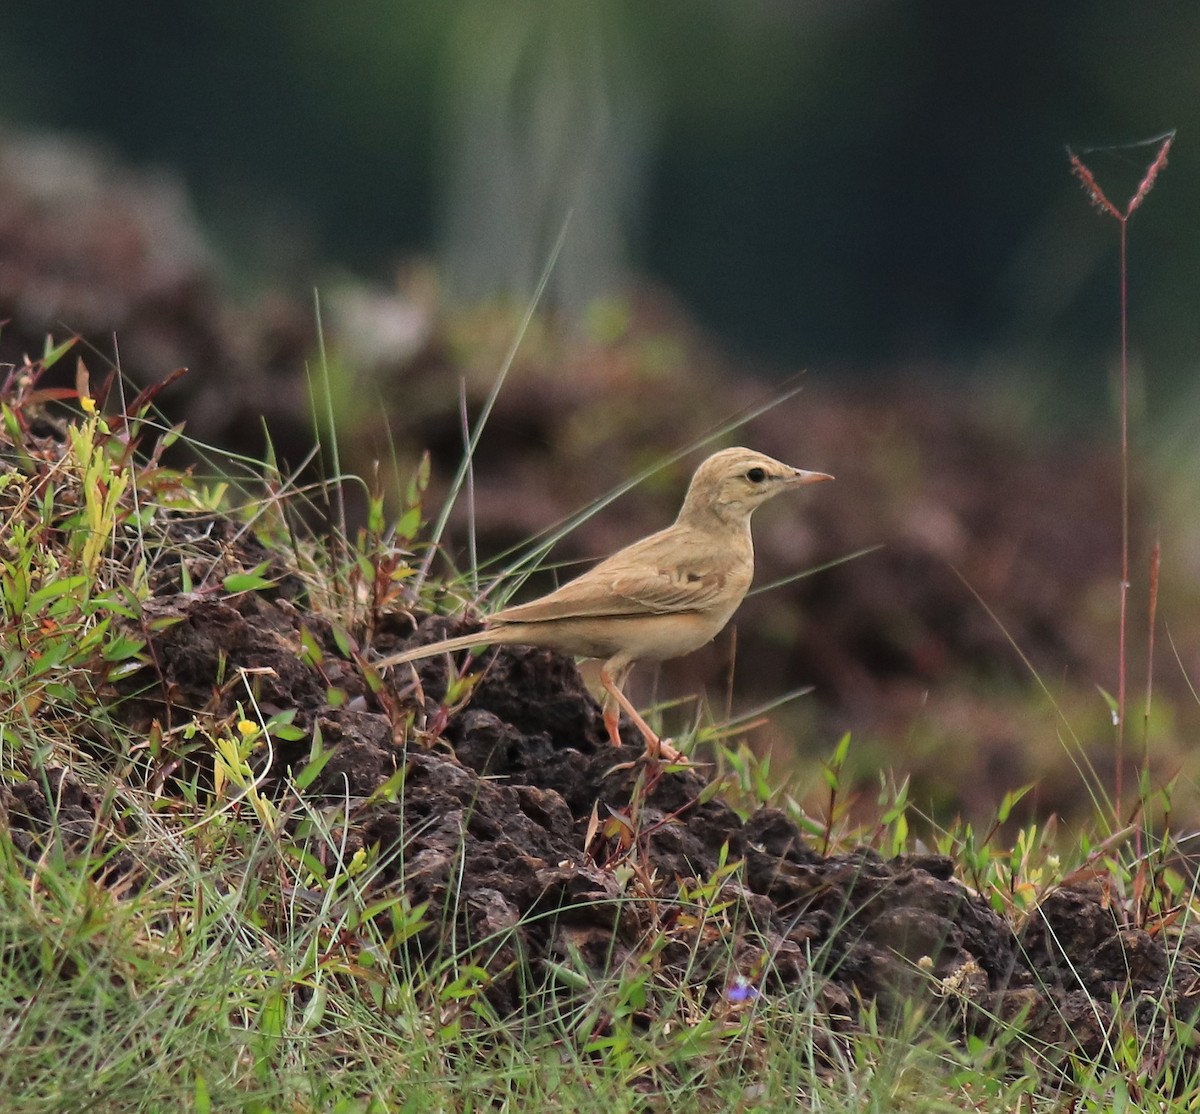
[846, 185]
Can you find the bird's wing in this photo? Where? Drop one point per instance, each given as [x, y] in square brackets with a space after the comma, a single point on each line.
[645, 579]
[694, 586]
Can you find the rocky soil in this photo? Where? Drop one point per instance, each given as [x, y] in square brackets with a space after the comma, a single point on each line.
[534, 841]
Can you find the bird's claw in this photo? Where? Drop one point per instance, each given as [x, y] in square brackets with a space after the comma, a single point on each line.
[663, 750]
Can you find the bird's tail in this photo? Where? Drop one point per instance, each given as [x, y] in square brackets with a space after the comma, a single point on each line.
[446, 646]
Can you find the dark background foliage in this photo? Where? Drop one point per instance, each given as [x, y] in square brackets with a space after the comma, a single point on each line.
[852, 186]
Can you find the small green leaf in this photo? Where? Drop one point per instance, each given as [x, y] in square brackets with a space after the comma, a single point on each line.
[342, 640]
[1113, 707]
[313, 767]
[310, 649]
[201, 1100]
[1010, 799]
[470, 982]
[711, 790]
[12, 425]
[366, 568]
[308, 861]
[52, 352]
[389, 790]
[375, 519]
[843, 748]
[285, 733]
[122, 647]
[68, 585]
[569, 978]
[252, 581]
[409, 523]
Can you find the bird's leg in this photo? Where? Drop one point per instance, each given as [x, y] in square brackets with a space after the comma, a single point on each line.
[618, 701]
[614, 701]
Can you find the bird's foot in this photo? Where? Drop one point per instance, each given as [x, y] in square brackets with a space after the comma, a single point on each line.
[657, 749]
[663, 750]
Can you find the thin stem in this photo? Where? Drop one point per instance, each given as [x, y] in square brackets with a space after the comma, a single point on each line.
[1125, 511]
[1155, 559]
[1098, 198]
[1124, 225]
[472, 547]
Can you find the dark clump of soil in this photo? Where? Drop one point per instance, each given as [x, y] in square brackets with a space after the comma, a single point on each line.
[528, 835]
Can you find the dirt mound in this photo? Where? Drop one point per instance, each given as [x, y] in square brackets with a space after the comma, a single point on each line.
[534, 842]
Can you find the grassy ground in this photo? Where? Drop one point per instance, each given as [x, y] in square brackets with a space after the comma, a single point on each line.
[172, 937]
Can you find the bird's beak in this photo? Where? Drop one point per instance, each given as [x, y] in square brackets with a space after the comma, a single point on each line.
[802, 477]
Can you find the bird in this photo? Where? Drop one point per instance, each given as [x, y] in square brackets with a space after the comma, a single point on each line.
[658, 598]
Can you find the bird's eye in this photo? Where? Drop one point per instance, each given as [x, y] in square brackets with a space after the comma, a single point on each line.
[756, 475]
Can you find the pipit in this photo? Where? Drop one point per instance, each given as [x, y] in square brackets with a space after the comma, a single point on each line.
[659, 598]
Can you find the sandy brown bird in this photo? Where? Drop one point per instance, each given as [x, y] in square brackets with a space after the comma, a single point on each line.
[659, 598]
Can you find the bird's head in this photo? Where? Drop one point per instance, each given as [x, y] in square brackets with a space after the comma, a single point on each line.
[731, 483]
